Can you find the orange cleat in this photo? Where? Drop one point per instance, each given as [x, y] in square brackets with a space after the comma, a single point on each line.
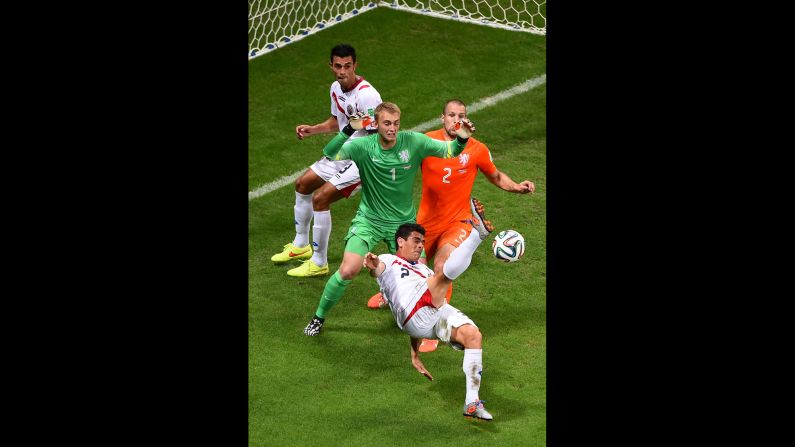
[377, 301]
[428, 345]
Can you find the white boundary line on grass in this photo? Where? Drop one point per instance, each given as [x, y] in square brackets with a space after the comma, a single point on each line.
[478, 105]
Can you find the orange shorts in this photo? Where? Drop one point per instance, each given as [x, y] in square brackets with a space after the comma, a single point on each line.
[455, 234]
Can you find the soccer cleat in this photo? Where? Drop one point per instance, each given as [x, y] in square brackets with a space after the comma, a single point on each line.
[428, 345]
[475, 410]
[291, 252]
[478, 220]
[308, 268]
[314, 326]
[377, 301]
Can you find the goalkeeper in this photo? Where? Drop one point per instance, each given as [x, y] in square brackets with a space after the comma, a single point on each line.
[388, 163]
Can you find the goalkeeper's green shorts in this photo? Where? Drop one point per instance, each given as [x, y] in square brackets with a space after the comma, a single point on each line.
[364, 236]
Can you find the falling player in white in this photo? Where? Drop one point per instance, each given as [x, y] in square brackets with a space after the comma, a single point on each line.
[327, 181]
[417, 299]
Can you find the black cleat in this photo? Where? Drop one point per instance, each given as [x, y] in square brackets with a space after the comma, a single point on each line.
[314, 326]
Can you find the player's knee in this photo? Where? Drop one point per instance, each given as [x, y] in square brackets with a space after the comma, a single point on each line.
[302, 186]
[321, 200]
[438, 268]
[477, 337]
[349, 271]
[472, 336]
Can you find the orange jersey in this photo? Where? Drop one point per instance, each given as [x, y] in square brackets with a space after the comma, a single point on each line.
[447, 183]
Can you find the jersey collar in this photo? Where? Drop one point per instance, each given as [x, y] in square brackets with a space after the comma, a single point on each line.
[359, 80]
[410, 262]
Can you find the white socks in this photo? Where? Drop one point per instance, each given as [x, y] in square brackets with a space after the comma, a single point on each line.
[320, 231]
[320, 234]
[473, 368]
[462, 255]
[303, 215]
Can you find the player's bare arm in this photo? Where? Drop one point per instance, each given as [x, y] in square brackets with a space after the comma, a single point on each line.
[328, 126]
[503, 181]
[374, 264]
[415, 358]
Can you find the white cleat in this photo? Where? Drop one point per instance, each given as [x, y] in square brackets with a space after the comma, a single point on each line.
[478, 220]
[475, 410]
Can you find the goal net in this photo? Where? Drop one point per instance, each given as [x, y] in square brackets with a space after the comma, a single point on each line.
[275, 23]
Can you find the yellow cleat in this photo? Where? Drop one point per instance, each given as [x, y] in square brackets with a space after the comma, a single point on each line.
[309, 268]
[292, 252]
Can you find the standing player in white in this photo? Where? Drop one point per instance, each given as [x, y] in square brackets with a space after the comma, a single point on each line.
[329, 180]
[417, 299]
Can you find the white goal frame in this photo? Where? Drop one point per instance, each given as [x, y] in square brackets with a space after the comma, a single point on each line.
[276, 23]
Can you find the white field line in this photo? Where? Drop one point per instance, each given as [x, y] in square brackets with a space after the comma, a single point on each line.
[478, 105]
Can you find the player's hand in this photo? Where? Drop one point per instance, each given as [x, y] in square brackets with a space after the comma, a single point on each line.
[526, 187]
[359, 121]
[303, 130]
[464, 128]
[371, 261]
[421, 368]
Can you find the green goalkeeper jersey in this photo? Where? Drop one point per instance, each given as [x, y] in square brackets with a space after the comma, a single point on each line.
[388, 175]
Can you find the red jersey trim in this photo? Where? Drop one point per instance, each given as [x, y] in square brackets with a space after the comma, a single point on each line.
[408, 266]
[358, 81]
[334, 95]
[425, 300]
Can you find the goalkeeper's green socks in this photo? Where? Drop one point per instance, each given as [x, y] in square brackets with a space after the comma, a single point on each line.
[332, 293]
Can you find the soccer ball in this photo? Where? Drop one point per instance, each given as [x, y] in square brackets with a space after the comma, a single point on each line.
[508, 246]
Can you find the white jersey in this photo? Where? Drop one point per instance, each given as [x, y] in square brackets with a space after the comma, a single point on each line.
[362, 97]
[403, 284]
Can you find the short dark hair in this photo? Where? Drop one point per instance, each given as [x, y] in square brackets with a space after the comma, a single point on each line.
[342, 50]
[405, 230]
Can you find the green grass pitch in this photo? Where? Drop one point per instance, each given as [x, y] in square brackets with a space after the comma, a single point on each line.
[354, 384]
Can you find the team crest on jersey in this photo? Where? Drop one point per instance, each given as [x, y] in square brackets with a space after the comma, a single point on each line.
[463, 159]
[404, 155]
[350, 110]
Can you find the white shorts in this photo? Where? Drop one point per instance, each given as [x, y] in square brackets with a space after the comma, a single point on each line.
[436, 323]
[343, 174]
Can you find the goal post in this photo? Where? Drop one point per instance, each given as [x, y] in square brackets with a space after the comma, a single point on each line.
[273, 24]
